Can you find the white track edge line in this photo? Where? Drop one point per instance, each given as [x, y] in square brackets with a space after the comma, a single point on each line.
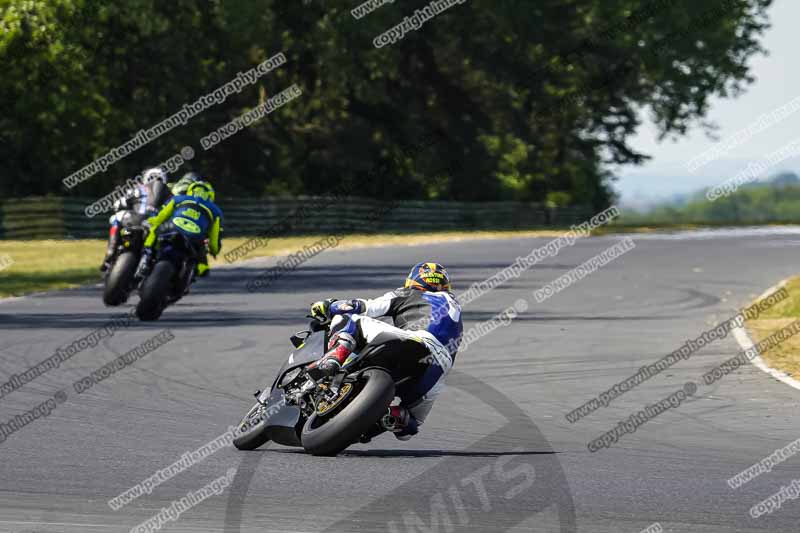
[746, 343]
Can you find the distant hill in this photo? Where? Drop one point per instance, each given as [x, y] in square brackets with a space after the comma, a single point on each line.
[774, 200]
[784, 179]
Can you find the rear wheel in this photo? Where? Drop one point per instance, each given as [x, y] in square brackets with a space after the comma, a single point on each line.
[119, 279]
[154, 290]
[329, 434]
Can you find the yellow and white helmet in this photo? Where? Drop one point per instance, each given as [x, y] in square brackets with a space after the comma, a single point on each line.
[201, 189]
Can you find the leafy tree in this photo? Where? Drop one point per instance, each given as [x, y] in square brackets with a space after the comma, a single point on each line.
[526, 100]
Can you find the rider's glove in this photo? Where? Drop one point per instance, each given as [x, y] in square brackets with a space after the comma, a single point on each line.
[122, 204]
[321, 310]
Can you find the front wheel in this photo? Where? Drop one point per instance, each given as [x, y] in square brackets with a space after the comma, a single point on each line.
[118, 281]
[252, 430]
[154, 290]
[329, 435]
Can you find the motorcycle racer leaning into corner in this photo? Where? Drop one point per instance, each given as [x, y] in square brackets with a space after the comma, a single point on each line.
[423, 340]
[179, 188]
[195, 215]
[144, 201]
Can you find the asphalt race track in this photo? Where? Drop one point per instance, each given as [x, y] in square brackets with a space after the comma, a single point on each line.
[496, 454]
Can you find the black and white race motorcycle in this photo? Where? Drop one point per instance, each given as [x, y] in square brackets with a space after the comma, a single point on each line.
[323, 415]
[119, 280]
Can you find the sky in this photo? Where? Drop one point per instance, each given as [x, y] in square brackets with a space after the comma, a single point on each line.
[777, 83]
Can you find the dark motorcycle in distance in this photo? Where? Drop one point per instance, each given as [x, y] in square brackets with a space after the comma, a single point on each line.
[324, 415]
[119, 279]
[168, 273]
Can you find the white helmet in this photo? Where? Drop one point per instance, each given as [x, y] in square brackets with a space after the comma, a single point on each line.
[154, 174]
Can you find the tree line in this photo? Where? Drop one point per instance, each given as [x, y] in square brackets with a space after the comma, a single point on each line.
[529, 101]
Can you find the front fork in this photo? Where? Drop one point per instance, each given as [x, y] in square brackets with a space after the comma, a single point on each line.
[186, 276]
[145, 267]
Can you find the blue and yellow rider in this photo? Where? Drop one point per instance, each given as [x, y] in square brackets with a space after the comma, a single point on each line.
[196, 216]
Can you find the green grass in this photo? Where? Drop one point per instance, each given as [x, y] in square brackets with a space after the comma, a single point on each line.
[18, 283]
[620, 226]
[45, 265]
[788, 308]
[42, 265]
[786, 355]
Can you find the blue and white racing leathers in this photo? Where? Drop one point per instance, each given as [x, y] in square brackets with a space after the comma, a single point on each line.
[422, 341]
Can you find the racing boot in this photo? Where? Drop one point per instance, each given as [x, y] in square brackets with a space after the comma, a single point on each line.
[340, 347]
[203, 270]
[399, 421]
[111, 249]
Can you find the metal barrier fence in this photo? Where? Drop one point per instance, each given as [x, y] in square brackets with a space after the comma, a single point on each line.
[64, 218]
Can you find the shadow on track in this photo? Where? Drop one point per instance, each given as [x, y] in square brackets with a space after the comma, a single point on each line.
[419, 453]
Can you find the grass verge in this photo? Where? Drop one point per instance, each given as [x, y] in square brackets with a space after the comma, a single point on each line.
[41, 265]
[786, 355]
